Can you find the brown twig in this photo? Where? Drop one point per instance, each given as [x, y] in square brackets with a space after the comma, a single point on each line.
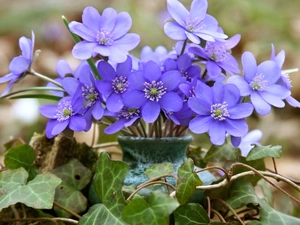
[208, 206]
[231, 209]
[221, 218]
[53, 220]
[293, 180]
[67, 210]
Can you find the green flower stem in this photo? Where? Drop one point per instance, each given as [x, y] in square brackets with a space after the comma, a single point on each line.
[33, 89]
[32, 72]
[77, 39]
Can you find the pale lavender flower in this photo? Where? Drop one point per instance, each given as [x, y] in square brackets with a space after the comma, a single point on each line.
[260, 83]
[104, 34]
[249, 140]
[193, 25]
[20, 64]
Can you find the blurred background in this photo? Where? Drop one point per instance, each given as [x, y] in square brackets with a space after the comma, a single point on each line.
[259, 22]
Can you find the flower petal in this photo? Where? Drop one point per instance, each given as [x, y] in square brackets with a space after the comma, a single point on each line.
[83, 50]
[98, 110]
[26, 47]
[237, 128]
[199, 106]
[241, 83]
[217, 132]
[150, 111]
[171, 102]
[272, 100]
[70, 84]
[270, 70]
[177, 11]
[127, 42]
[152, 71]
[136, 80]
[59, 127]
[123, 69]
[134, 98]
[260, 105]
[115, 127]
[48, 111]
[19, 65]
[83, 31]
[63, 68]
[104, 87]
[198, 9]
[107, 72]
[122, 26]
[240, 111]
[249, 66]
[174, 31]
[171, 79]
[77, 123]
[200, 124]
[91, 18]
[114, 102]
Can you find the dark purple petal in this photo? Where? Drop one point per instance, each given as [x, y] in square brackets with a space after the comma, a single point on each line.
[59, 127]
[171, 102]
[136, 80]
[231, 94]
[19, 65]
[171, 79]
[200, 124]
[193, 71]
[98, 110]
[198, 9]
[184, 62]
[217, 132]
[49, 128]
[131, 121]
[107, 72]
[48, 111]
[134, 98]
[122, 26]
[235, 141]
[272, 100]
[150, 111]
[83, 31]
[115, 127]
[237, 128]
[77, 123]
[70, 85]
[249, 66]
[199, 106]
[170, 64]
[241, 83]
[114, 102]
[123, 69]
[83, 50]
[104, 87]
[63, 68]
[213, 69]
[91, 18]
[260, 105]
[26, 47]
[152, 71]
[240, 111]
[174, 31]
[177, 11]
[204, 92]
[270, 70]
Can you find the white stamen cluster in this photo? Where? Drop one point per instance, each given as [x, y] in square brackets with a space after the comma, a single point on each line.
[259, 83]
[219, 111]
[104, 37]
[154, 90]
[120, 84]
[90, 95]
[64, 110]
[217, 52]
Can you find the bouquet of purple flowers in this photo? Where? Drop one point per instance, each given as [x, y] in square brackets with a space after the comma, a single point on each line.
[197, 86]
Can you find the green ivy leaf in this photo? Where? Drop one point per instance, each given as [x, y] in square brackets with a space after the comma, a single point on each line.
[243, 193]
[38, 193]
[254, 222]
[261, 152]
[154, 212]
[108, 182]
[74, 178]
[159, 170]
[99, 214]
[222, 153]
[191, 214]
[21, 156]
[187, 181]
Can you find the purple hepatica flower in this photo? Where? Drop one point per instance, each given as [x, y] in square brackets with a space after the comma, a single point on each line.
[20, 64]
[153, 90]
[193, 25]
[62, 116]
[85, 90]
[105, 35]
[218, 56]
[260, 83]
[219, 111]
[184, 65]
[114, 84]
[126, 117]
[249, 140]
[285, 78]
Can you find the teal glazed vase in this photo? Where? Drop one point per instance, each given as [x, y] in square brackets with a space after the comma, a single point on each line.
[142, 152]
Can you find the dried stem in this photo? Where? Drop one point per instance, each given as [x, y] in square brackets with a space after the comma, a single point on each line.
[105, 145]
[53, 220]
[16, 214]
[221, 218]
[67, 210]
[208, 206]
[32, 72]
[143, 129]
[218, 168]
[231, 209]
